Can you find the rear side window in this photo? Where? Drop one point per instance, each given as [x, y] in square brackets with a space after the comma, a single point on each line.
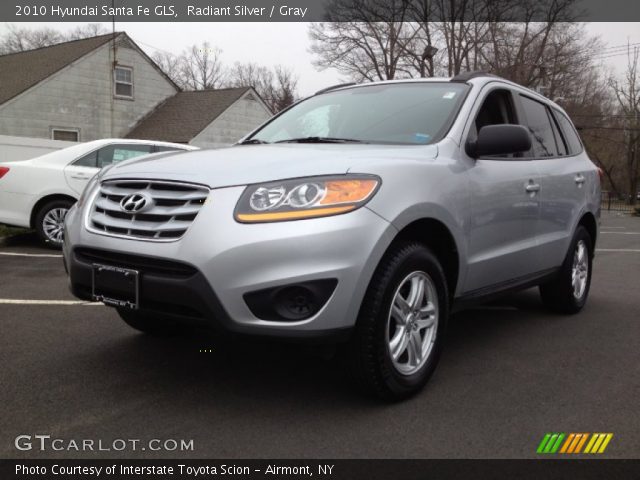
[539, 124]
[560, 142]
[89, 160]
[571, 137]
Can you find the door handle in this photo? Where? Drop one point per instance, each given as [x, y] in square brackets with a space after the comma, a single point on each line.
[532, 188]
[579, 179]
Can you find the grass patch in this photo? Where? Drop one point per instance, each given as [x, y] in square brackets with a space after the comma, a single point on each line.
[9, 231]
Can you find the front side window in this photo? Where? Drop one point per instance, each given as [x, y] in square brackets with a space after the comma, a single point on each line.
[123, 79]
[401, 113]
[539, 125]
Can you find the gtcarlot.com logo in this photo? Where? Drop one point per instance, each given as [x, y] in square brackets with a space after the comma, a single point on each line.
[46, 442]
[573, 443]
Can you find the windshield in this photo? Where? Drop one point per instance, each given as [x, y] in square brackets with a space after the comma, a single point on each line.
[400, 113]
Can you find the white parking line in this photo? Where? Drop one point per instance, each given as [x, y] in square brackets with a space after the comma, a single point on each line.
[611, 228]
[18, 254]
[624, 233]
[13, 301]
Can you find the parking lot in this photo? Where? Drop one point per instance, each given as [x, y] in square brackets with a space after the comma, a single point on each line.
[510, 373]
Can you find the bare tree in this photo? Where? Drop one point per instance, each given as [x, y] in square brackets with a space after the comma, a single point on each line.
[18, 39]
[171, 65]
[285, 88]
[86, 31]
[201, 67]
[277, 86]
[399, 38]
[627, 94]
[373, 49]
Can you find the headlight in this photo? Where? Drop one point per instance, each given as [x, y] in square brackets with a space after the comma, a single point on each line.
[305, 198]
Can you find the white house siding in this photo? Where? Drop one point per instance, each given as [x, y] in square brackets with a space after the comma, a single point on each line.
[80, 96]
[234, 123]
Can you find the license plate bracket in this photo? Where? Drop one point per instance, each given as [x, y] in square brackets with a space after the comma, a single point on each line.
[115, 286]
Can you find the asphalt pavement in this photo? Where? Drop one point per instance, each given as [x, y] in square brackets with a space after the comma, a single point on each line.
[510, 373]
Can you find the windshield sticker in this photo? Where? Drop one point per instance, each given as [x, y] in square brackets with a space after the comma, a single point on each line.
[422, 137]
[449, 95]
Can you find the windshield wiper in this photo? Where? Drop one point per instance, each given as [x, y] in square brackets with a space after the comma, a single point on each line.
[320, 140]
[253, 141]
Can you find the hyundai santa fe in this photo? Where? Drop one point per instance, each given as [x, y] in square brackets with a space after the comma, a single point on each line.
[363, 215]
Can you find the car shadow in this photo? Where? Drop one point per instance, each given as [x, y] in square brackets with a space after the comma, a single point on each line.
[227, 367]
[27, 239]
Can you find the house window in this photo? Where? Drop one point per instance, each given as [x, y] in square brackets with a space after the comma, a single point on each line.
[123, 79]
[66, 134]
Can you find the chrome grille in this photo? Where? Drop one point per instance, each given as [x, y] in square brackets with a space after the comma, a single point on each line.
[168, 211]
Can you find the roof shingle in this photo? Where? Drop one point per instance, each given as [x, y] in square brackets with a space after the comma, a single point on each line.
[21, 71]
[181, 117]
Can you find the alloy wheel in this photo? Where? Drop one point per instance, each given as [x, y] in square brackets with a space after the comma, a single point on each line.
[412, 323]
[580, 270]
[53, 224]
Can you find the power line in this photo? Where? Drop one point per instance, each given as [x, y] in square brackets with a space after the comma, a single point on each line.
[155, 48]
[618, 47]
[609, 56]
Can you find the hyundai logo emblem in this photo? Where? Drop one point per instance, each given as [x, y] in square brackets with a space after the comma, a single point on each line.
[134, 203]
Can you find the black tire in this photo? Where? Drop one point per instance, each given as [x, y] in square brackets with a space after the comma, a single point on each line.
[39, 220]
[152, 324]
[558, 294]
[368, 351]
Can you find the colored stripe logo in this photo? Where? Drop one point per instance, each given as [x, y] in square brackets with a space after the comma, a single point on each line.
[574, 443]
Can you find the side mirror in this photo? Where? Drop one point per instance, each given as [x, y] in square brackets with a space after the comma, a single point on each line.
[499, 140]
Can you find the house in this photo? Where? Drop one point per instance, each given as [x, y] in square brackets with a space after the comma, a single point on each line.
[107, 87]
[204, 118]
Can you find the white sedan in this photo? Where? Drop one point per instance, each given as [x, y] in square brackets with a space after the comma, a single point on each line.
[37, 193]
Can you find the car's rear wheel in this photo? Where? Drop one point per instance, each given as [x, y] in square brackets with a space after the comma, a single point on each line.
[400, 328]
[49, 222]
[568, 292]
[152, 324]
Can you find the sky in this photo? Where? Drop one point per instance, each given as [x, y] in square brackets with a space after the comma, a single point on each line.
[288, 43]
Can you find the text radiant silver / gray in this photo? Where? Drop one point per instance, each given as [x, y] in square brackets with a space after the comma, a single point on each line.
[361, 215]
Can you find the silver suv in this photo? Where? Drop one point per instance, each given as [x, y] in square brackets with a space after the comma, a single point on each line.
[364, 215]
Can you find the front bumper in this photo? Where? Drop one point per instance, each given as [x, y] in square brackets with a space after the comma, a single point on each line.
[223, 260]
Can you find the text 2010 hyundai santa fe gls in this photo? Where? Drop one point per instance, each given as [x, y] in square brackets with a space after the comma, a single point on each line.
[364, 214]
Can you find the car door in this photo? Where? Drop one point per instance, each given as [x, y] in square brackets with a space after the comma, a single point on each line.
[563, 177]
[82, 170]
[504, 204]
[78, 173]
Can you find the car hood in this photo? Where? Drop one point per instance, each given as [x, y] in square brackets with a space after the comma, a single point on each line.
[246, 164]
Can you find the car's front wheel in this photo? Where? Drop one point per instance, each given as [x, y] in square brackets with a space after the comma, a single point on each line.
[49, 222]
[400, 328]
[568, 292]
[153, 324]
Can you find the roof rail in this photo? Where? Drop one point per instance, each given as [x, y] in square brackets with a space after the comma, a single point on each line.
[333, 87]
[466, 76]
